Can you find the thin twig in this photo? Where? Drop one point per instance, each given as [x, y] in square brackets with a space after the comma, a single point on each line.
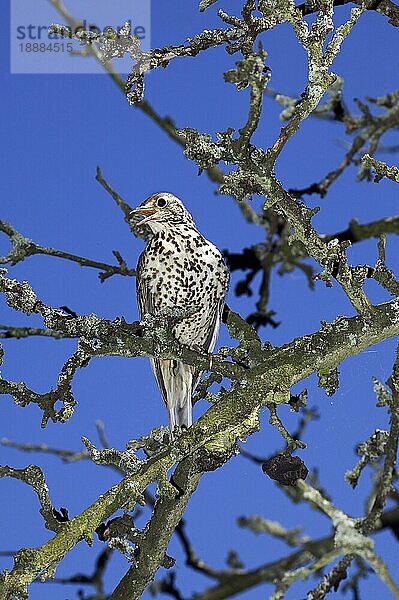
[9, 331]
[22, 247]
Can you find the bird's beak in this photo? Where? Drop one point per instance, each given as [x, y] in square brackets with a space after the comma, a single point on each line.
[144, 211]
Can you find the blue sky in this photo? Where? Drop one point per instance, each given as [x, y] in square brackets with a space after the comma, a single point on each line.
[56, 129]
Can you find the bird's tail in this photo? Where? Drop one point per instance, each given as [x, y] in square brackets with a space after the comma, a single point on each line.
[181, 415]
[179, 396]
[176, 382]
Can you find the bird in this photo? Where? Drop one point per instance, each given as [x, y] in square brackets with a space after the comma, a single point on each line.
[181, 269]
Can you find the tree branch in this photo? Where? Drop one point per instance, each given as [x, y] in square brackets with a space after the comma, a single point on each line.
[384, 483]
[381, 169]
[233, 417]
[33, 476]
[65, 455]
[22, 247]
[270, 572]
[9, 331]
[154, 541]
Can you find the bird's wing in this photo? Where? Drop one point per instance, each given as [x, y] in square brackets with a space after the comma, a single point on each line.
[214, 327]
[213, 333]
[145, 301]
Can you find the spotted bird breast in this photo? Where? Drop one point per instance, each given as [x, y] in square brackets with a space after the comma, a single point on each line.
[183, 270]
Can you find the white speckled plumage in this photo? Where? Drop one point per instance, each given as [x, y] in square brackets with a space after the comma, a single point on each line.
[180, 268]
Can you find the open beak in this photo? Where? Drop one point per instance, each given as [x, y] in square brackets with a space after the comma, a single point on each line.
[144, 211]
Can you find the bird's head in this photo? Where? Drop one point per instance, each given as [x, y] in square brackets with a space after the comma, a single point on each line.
[162, 209]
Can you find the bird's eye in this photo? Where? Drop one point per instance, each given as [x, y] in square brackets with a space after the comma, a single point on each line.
[161, 202]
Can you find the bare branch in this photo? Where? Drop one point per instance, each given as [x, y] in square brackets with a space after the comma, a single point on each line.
[22, 247]
[172, 500]
[65, 455]
[233, 417]
[260, 375]
[111, 338]
[381, 169]
[385, 7]
[384, 484]
[258, 525]
[193, 561]
[34, 477]
[9, 331]
[95, 579]
[165, 123]
[372, 128]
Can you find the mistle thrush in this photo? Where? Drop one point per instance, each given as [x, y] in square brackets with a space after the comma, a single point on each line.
[179, 268]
